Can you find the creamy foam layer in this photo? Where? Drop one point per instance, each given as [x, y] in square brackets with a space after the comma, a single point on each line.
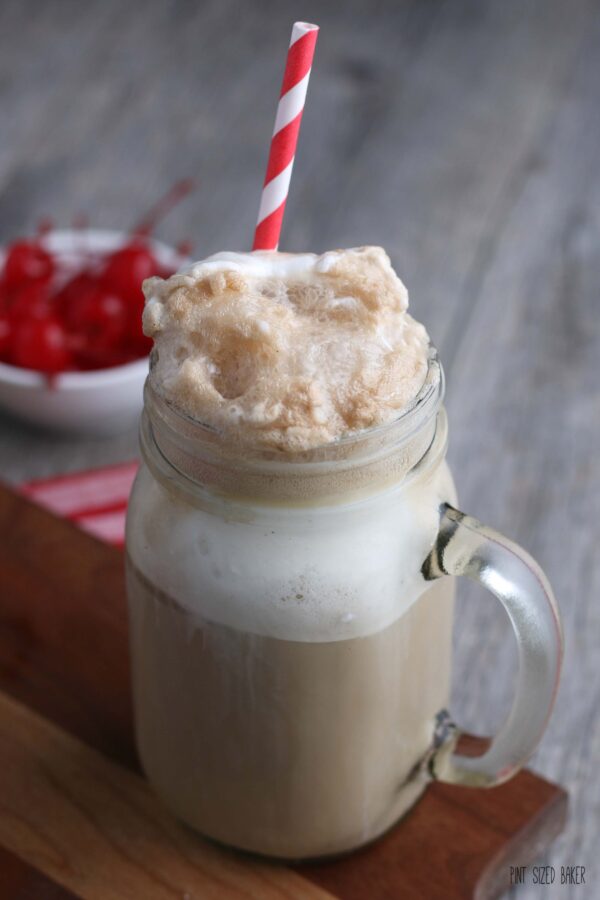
[282, 350]
[305, 574]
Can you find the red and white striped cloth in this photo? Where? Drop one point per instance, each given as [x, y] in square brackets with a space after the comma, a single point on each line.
[285, 135]
[95, 500]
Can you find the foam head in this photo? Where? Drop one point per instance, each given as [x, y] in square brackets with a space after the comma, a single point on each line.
[289, 351]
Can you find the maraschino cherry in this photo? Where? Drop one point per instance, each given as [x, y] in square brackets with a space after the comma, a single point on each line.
[127, 268]
[27, 261]
[100, 315]
[55, 317]
[41, 343]
[31, 300]
[5, 335]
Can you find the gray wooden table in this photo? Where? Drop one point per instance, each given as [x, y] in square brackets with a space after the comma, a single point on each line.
[462, 136]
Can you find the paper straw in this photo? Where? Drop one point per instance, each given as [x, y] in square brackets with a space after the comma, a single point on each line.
[285, 135]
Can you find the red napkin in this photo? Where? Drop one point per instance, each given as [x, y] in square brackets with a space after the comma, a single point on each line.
[95, 500]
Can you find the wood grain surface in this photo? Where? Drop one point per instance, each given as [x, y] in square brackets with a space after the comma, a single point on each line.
[21, 881]
[463, 136]
[455, 844]
[99, 830]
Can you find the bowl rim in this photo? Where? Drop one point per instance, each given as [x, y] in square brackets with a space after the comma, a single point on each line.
[14, 375]
[104, 239]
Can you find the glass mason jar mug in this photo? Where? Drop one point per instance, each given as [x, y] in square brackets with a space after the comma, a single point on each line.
[291, 629]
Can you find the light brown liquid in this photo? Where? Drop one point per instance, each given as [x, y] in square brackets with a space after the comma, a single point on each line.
[287, 748]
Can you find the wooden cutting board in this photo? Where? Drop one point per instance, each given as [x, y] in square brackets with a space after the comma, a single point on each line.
[77, 818]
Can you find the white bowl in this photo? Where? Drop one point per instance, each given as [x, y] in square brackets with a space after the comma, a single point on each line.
[100, 402]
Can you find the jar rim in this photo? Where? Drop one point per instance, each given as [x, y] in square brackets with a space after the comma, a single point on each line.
[352, 445]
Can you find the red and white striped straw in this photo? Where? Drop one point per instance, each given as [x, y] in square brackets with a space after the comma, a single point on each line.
[285, 135]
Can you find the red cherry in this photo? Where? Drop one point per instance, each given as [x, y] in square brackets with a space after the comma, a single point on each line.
[140, 344]
[30, 300]
[100, 315]
[41, 344]
[27, 261]
[92, 358]
[5, 335]
[128, 267]
[4, 297]
[72, 292]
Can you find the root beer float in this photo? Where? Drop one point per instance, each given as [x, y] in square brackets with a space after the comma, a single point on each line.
[291, 540]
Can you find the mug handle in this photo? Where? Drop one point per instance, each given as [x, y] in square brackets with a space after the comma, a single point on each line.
[466, 547]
